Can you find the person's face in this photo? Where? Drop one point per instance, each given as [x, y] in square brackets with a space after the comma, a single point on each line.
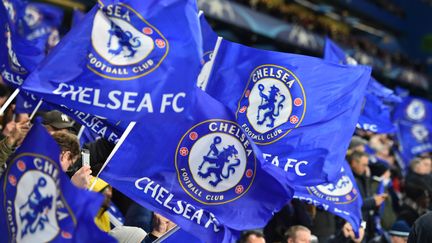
[255, 239]
[302, 236]
[359, 166]
[426, 166]
[398, 239]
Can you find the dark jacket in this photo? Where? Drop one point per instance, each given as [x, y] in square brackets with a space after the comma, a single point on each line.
[421, 230]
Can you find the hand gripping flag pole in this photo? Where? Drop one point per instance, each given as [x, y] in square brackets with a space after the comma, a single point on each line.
[117, 146]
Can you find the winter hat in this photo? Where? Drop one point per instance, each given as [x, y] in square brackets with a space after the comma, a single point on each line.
[400, 228]
[378, 168]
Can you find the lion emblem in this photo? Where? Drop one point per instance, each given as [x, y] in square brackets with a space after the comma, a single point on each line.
[218, 160]
[34, 211]
[271, 104]
[125, 40]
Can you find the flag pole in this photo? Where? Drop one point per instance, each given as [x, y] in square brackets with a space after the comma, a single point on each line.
[116, 147]
[9, 101]
[203, 85]
[167, 234]
[36, 109]
[81, 131]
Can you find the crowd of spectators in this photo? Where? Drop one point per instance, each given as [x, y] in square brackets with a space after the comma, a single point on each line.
[339, 31]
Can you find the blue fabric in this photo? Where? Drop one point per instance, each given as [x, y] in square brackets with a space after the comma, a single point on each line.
[209, 38]
[414, 127]
[314, 105]
[414, 139]
[375, 116]
[340, 197]
[41, 23]
[20, 56]
[127, 59]
[203, 173]
[39, 203]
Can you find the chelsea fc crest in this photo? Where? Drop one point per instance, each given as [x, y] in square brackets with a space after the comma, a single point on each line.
[273, 103]
[342, 192]
[125, 45]
[215, 162]
[35, 209]
[416, 110]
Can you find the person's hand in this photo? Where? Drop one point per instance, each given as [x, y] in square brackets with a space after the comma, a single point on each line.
[17, 132]
[380, 198]
[82, 177]
[348, 232]
[161, 225]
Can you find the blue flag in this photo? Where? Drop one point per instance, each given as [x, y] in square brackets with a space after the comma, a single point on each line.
[413, 109]
[377, 95]
[203, 173]
[414, 139]
[77, 17]
[39, 203]
[127, 59]
[40, 23]
[19, 56]
[341, 197]
[291, 106]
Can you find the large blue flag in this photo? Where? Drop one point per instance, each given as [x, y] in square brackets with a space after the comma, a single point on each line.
[38, 201]
[19, 56]
[378, 95]
[126, 59]
[300, 110]
[341, 197]
[202, 172]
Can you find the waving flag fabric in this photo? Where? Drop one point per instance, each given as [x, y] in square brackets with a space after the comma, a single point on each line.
[38, 201]
[126, 59]
[202, 172]
[19, 56]
[375, 116]
[301, 111]
[341, 197]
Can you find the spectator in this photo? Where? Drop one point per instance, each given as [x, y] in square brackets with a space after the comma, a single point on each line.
[359, 164]
[56, 121]
[252, 236]
[297, 234]
[399, 232]
[421, 232]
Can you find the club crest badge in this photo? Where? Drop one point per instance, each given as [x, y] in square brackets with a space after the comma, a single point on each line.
[215, 162]
[32, 16]
[416, 110]
[36, 210]
[125, 45]
[272, 104]
[340, 193]
[420, 132]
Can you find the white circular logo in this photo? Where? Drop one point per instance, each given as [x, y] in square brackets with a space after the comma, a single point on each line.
[118, 41]
[217, 173]
[416, 110]
[270, 105]
[343, 187]
[420, 132]
[35, 208]
[32, 16]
